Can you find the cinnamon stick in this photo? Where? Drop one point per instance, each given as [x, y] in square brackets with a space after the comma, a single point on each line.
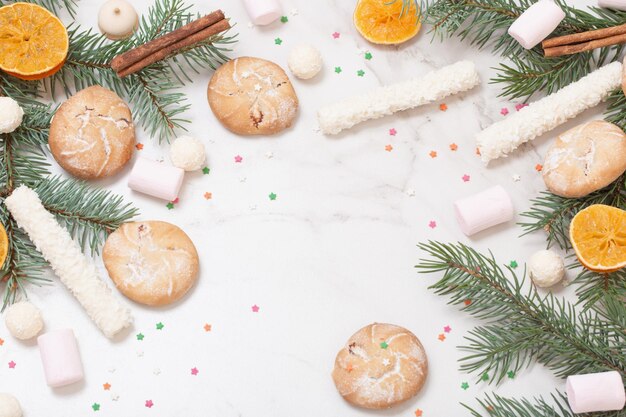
[163, 53]
[586, 46]
[141, 52]
[584, 36]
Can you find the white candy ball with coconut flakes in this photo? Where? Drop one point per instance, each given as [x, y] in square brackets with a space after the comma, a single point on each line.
[23, 320]
[9, 406]
[11, 115]
[305, 61]
[188, 153]
[546, 268]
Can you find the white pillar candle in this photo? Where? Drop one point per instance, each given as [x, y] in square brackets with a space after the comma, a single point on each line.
[602, 391]
[263, 12]
[74, 269]
[60, 358]
[536, 23]
[156, 179]
[483, 210]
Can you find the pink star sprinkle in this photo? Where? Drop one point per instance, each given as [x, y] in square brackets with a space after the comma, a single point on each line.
[520, 106]
[465, 178]
[432, 224]
[447, 329]
[175, 201]
[238, 159]
[393, 132]
[12, 365]
[194, 371]
[336, 35]
[255, 308]
[504, 111]
[149, 403]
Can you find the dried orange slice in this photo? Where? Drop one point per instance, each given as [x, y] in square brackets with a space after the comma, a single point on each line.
[386, 22]
[4, 245]
[598, 235]
[33, 41]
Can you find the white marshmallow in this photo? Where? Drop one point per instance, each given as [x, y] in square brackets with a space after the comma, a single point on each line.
[187, 153]
[305, 61]
[60, 358]
[612, 4]
[483, 210]
[11, 115]
[263, 12]
[117, 19]
[9, 406]
[156, 179]
[23, 320]
[602, 391]
[536, 23]
[546, 268]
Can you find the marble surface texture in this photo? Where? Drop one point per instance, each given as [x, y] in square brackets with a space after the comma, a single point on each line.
[334, 252]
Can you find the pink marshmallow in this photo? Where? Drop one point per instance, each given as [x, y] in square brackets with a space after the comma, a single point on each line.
[483, 210]
[60, 358]
[603, 391]
[156, 179]
[536, 23]
[263, 12]
[612, 4]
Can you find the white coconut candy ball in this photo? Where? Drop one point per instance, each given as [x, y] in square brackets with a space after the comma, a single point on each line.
[9, 406]
[11, 115]
[187, 153]
[23, 320]
[546, 268]
[117, 19]
[305, 61]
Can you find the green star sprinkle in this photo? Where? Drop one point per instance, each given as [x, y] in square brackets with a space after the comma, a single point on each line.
[513, 264]
[511, 374]
[273, 196]
[338, 70]
[278, 41]
[465, 385]
[485, 377]
[368, 56]
[384, 345]
[140, 336]
[284, 19]
[170, 206]
[206, 170]
[160, 326]
[360, 73]
[95, 406]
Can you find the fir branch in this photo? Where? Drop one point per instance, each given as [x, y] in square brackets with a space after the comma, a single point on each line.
[522, 326]
[595, 288]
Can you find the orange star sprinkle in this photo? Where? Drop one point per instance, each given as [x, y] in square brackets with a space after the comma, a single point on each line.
[454, 147]
[443, 107]
[467, 302]
[478, 151]
[106, 386]
[207, 327]
[418, 413]
[139, 146]
[208, 195]
[1, 342]
[442, 337]
[433, 154]
[388, 148]
[538, 167]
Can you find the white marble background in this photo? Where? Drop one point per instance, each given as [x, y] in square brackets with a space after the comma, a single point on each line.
[334, 252]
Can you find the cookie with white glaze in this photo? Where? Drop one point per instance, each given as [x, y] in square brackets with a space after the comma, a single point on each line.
[153, 262]
[252, 96]
[92, 134]
[380, 366]
[585, 159]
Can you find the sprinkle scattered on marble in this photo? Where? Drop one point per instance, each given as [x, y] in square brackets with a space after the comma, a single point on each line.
[538, 167]
[149, 403]
[511, 374]
[465, 178]
[106, 386]
[393, 132]
[194, 371]
[485, 377]
[513, 264]
[95, 407]
[206, 170]
[447, 329]
[465, 385]
[443, 107]
[442, 337]
[520, 106]
[516, 178]
[338, 70]
[368, 56]
[418, 413]
[432, 224]
[336, 35]
[272, 196]
[208, 195]
[238, 159]
[140, 336]
[160, 326]
[12, 365]
[1, 342]
[388, 148]
[360, 73]
[115, 396]
[504, 111]
[255, 308]
[207, 327]
[454, 147]
[467, 302]
[269, 154]
[278, 41]
[433, 154]
[284, 19]
[410, 192]
[139, 146]
[170, 206]
[294, 12]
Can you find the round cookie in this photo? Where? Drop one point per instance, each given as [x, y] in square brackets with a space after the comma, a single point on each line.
[252, 96]
[92, 135]
[380, 366]
[153, 263]
[585, 159]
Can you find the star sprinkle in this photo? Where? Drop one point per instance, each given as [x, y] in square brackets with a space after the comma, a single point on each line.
[114, 396]
[478, 151]
[252, 207]
[465, 178]
[467, 302]
[504, 111]
[1, 342]
[95, 406]
[433, 154]
[465, 385]
[257, 87]
[454, 147]
[111, 370]
[208, 195]
[410, 192]
[447, 329]
[149, 403]
[272, 196]
[338, 70]
[140, 353]
[284, 19]
[294, 12]
[418, 413]
[278, 41]
[516, 178]
[388, 148]
[170, 206]
[368, 56]
[139, 146]
[206, 170]
[106, 386]
[520, 106]
[513, 264]
[140, 336]
[384, 345]
[207, 327]
[243, 179]
[538, 167]
[432, 224]
[393, 132]
[360, 73]
[12, 365]
[255, 308]
[269, 155]
[386, 362]
[156, 371]
[510, 374]
[485, 377]
[441, 337]
[160, 326]
[336, 35]
[443, 107]
[194, 371]
[238, 159]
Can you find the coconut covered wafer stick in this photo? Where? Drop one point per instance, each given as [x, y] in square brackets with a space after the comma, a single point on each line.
[385, 101]
[502, 138]
[67, 260]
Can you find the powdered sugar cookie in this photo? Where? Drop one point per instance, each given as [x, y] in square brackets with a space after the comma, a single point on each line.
[153, 262]
[380, 366]
[252, 96]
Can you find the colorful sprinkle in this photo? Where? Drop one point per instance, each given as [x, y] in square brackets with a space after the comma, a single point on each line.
[336, 35]
[447, 329]
[418, 413]
[384, 345]
[140, 336]
[176, 200]
[485, 377]
[441, 337]
[284, 19]
[443, 107]
[208, 195]
[433, 154]
[513, 264]
[12, 365]
[139, 146]
[194, 371]
[467, 302]
[454, 147]
[170, 206]
[278, 41]
[504, 111]
[149, 403]
[511, 374]
[206, 170]
[520, 106]
[360, 73]
[465, 385]
[272, 196]
[269, 154]
[106, 386]
[393, 132]
[160, 326]
[238, 159]
[255, 308]
[538, 167]
[516, 178]
[338, 70]
[368, 56]
[95, 407]
[1, 342]
[207, 327]
[478, 151]
[465, 178]
[388, 148]
[432, 224]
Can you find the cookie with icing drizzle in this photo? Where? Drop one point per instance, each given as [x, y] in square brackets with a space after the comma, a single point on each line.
[252, 96]
[380, 366]
[92, 135]
[153, 262]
